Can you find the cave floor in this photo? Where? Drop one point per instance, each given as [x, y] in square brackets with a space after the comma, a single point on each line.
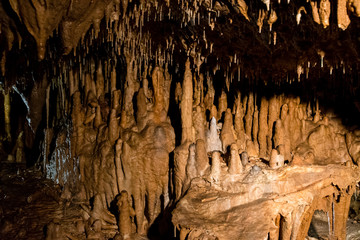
[29, 203]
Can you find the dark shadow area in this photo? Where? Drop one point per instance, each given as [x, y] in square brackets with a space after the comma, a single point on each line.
[320, 225]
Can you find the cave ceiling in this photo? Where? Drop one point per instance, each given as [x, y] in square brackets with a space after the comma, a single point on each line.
[267, 40]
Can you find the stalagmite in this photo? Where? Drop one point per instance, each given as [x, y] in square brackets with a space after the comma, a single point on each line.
[227, 132]
[191, 171]
[113, 80]
[249, 115]
[199, 123]
[100, 91]
[113, 127]
[186, 105]
[239, 123]
[255, 129]
[215, 166]
[276, 159]
[235, 165]
[213, 142]
[202, 161]
[126, 212]
[273, 116]
[263, 126]
[181, 155]
[279, 137]
[222, 105]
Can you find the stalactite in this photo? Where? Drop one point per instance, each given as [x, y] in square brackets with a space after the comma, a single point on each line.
[272, 19]
[342, 15]
[315, 11]
[324, 12]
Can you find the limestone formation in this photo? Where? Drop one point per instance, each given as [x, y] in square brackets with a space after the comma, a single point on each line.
[235, 165]
[178, 119]
[227, 132]
[126, 212]
[213, 142]
[276, 159]
[215, 166]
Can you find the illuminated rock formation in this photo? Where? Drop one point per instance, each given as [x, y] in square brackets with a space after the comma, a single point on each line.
[193, 119]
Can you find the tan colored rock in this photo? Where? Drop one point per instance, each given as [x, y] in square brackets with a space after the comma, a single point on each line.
[215, 166]
[276, 159]
[239, 123]
[272, 18]
[263, 126]
[202, 160]
[191, 170]
[181, 155]
[342, 15]
[41, 18]
[249, 115]
[186, 105]
[354, 7]
[126, 212]
[243, 8]
[324, 12]
[235, 165]
[274, 110]
[279, 135]
[260, 20]
[315, 11]
[213, 142]
[199, 123]
[353, 145]
[222, 105]
[228, 136]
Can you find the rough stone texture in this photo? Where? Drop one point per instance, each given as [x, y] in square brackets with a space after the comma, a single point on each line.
[276, 200]
[239, 118]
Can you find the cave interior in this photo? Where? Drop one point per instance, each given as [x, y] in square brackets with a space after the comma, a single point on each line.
[179, 119]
